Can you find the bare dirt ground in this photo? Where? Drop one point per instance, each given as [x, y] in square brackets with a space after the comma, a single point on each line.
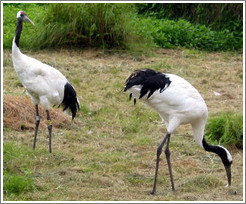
[108, 152]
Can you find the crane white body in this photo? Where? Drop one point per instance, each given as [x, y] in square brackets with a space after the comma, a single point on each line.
[177, 102]
[180, 103]
[42, 82]
[45, 84]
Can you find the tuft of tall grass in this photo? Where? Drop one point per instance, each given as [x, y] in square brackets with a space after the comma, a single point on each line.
[96, 25]
[226, 128]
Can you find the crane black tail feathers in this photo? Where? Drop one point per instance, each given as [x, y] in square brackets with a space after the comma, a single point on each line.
[70, 99]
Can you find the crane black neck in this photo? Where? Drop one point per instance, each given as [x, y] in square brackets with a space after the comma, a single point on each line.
[18, 31]
[220, 151]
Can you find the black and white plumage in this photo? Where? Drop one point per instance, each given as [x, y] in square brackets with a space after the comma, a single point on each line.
[45, 84]
[177, 102]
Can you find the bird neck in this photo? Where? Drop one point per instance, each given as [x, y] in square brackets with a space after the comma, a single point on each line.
[18, 31]
[222, 152]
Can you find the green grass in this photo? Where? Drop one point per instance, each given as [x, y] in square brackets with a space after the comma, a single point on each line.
[15, 184]
[17, 180]
[226, 128]
[181, 33]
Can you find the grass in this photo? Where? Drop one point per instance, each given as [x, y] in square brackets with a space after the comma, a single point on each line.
[109, 154]
[17, 176]
[227, 129]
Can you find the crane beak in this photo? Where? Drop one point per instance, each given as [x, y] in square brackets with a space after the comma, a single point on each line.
[228, 173]
[28, 20]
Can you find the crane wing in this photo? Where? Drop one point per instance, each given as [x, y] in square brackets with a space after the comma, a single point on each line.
[149, 80]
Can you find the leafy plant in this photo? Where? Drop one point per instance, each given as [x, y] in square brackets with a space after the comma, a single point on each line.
[219, 16]
[212, 26]
[181, 33]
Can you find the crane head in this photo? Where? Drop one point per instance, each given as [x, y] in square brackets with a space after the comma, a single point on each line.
[228, 171]
[227, 161]
[22, 16]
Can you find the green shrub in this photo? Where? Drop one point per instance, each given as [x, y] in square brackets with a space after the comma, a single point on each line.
[221, 24]
[218, 16]
[170, 34]
[227, 129]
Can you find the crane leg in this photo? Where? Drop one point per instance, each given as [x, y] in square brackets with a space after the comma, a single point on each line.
[167, 153]
[36, 127]
[159, 151]
[49, 128]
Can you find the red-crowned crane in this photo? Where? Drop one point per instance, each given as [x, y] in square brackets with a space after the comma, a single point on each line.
[177, 102]
[45, 84]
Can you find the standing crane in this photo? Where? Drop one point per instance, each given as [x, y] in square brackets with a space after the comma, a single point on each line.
[45, 84]
[177, 102]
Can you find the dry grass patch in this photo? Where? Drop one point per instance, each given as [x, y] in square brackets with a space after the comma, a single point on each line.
[19, 114]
